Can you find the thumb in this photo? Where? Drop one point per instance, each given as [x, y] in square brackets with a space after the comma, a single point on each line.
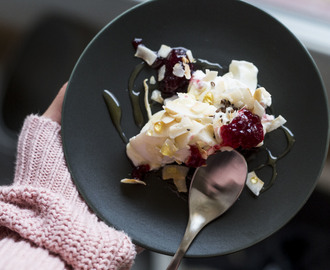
[54, 111]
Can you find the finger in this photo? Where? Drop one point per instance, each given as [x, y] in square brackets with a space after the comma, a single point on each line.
[54, 111]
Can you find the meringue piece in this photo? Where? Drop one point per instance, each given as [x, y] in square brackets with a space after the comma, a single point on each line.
[244, 72]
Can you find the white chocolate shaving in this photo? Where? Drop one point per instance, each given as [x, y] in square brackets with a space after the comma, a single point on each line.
[132, 181]
[146, 99]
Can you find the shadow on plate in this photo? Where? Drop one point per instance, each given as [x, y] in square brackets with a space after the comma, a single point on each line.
[302, 244]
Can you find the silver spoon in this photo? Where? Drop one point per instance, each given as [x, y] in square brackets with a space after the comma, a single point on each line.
[213, 190]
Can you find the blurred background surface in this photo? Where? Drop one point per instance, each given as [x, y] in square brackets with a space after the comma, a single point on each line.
[40, 42]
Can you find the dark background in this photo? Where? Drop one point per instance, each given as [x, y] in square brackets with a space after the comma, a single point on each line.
[40, 42]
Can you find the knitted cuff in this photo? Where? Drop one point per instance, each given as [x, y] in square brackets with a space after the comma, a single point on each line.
[48, 221]
[16, 251]
[43, 205]
[40, 159]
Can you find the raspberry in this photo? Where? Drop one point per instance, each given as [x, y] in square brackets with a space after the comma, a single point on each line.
[244, 131]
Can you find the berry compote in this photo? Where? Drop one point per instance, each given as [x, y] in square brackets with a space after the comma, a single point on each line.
[139, 172]
[195, 160]
[171, 84]
[244, 131]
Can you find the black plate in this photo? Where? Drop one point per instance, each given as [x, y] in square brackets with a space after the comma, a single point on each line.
[218, 31]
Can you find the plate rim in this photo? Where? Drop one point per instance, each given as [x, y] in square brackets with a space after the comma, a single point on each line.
[99, 214]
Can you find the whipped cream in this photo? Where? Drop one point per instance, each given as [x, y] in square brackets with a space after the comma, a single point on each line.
[166, 137]
[196, 117]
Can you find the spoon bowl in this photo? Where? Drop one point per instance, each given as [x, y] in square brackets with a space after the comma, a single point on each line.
[214, 189]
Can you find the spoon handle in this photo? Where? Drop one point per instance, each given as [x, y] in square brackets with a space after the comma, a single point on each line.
[195, 224]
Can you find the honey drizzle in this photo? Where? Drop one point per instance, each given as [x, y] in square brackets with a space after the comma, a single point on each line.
[134, 96]
[115, 113]
[272, 160]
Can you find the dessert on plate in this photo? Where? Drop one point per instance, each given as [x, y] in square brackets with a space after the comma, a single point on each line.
[202, 112]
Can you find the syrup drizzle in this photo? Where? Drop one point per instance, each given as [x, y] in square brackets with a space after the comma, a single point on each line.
[204, 64]
[134, 96]
[115, 113]
[272, 160]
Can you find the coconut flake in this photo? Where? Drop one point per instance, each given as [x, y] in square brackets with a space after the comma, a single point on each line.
[132, 181]
[146, 101]
[263, 97]
[254, 183]
[146, 54]
[164, 51]
[187, 71]
[190, 56]
[276, 123]
[152, 80]
[161, 73]
[258, 109]
[178, 70]
[156, 95]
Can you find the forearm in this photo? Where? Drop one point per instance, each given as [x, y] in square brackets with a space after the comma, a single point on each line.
[18, 253]
[44, 208]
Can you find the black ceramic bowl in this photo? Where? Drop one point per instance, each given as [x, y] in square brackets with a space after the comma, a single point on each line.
[219, 31]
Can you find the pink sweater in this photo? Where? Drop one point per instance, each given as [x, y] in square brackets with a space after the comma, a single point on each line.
[44, 223]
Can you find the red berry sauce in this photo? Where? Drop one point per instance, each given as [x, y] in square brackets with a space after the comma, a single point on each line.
[244, 131]
[171, 84]
[136, 42]
[195, 160]
[139, 172]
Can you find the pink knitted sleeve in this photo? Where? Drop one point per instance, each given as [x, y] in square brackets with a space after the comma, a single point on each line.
[43, 210]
